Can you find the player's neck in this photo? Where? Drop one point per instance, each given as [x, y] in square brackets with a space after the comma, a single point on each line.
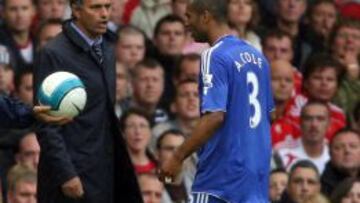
[221, 30]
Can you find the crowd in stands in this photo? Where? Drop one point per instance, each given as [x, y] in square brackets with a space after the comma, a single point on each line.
[313, 48]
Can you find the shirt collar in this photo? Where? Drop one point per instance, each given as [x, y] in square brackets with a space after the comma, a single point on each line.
[88, 40]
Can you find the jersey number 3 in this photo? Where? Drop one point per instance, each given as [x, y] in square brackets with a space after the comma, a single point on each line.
[253, 81]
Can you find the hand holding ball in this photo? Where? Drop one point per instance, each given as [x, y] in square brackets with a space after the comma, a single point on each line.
[64, 92]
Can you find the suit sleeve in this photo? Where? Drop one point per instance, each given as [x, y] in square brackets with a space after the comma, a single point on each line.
[15, 114]
[54, 156]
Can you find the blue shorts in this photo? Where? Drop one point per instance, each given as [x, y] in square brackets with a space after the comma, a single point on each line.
[200, 197]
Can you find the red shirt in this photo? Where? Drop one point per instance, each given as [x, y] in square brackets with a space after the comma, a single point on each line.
[147, 168]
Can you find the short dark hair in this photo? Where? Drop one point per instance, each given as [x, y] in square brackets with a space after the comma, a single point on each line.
[148, 63]
[278, 170]
[19, 74]
[179, 62]
[320, 61]
[162, 136]
[304, 164]
[49, 22]
[311, 103]
[278, 34]
[217, 8]
[171, 18]
[130, 29]
[76, 2]
[341, 132]
[134, 111]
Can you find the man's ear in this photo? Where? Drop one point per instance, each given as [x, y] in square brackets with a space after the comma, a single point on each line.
[205, 17]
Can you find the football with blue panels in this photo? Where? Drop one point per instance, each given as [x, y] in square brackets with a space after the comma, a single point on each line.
[64, 92]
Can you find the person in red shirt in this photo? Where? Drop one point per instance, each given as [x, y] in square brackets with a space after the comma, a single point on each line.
[321, 79]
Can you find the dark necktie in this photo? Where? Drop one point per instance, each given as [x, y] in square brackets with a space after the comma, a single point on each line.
[98, 51]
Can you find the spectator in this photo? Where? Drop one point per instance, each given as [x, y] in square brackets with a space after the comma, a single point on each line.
[347, 191]
[151, 188]
[289, 15]
[117, 11]
[304, 183]
[344, 162]
[130, 46]
[148, 87]
[137, 134]
[282, 83]
[278, 182]
[147, 14]
[48, 30]
[322, 17]
[243, 17]
[345, 41]
[311, 145]
[188, 67]
[28, 151]
[24, 85]
[123, 89]
[22, 185]
[15, 33]
[185, 107]
[51, 9]
[179, 190]
[277, 45]
[6, 72]
[320, 83]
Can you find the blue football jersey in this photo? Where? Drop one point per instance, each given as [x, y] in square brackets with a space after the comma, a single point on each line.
[234, 164]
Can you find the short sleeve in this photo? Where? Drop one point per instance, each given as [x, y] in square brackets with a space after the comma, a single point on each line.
[215, 82]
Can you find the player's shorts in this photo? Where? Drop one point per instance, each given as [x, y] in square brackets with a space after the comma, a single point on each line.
[200, 197]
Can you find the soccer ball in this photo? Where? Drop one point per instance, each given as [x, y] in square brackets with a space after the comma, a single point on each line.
[64, 92]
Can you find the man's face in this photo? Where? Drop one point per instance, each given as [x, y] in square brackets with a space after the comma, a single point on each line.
[291, 11]
[25, 192]
[323, 18]
[322, 84]
[186, 105]
[151, 189]
[347, 43]
[51, 9]
[168, 145]
[282, 81]
[196, 25]
[148, 85]
[130, 49]
[25, 90]
[314, 123]
[345, 151]
[29, 151]
[303, 184]
[92, 16]
[278, 183]
[48, 33]
[137, 133]
[278, 49]
[18, 15]
[171, 38]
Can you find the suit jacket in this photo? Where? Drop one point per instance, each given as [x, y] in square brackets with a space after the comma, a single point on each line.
[14, 114]
[91, 146]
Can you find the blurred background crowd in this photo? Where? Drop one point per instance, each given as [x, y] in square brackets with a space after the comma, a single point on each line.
[313, 47]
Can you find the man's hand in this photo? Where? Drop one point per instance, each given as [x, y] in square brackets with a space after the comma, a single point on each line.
[73, 188]
[170, 169]
[41, 113]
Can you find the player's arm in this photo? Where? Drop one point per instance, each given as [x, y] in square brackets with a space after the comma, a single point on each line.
[206, 128]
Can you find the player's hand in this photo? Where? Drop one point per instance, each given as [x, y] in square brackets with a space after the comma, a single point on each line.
[170, 169]
[73, 188]
[41, 113]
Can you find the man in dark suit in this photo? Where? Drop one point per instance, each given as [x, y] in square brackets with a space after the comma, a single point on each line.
[85, 160]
